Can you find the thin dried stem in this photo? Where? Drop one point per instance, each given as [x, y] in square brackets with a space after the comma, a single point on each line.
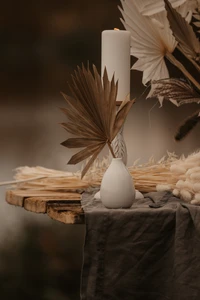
[190, 59]
[111, 149]
[20, 181]
[179, 65]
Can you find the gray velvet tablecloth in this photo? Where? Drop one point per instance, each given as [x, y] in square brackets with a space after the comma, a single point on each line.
[148, 252]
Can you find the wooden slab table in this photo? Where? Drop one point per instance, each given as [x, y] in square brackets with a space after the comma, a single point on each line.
[64, 207]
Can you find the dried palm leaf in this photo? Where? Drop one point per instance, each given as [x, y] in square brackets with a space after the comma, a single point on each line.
[187, 126]
[196, 22]
[92, 114]
[183, 32]
[152, 7]
[149, 42]
[175, 90]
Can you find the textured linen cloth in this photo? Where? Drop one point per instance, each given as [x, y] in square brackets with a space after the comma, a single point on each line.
[150, 251]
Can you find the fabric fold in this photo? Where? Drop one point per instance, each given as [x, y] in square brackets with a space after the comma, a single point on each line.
[142, 252]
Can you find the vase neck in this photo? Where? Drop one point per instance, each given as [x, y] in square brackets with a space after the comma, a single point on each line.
[117, 160]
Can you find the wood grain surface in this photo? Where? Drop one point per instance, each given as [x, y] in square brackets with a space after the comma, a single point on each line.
[64, 207]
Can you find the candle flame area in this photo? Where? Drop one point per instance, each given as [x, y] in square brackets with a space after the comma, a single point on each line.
[116, 29]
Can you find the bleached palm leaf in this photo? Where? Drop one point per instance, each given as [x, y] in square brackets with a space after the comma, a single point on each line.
[149, 42]
[151, 7]
[154, 8]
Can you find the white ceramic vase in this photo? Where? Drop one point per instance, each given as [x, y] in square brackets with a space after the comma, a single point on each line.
[117, 188]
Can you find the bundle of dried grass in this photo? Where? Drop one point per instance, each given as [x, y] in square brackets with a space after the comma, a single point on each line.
[146, 177]
[43, 179]
[180, 175]
[154, 176]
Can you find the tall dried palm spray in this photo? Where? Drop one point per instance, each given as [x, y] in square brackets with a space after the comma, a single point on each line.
[180, 91]
[91, 114]
[157, 29]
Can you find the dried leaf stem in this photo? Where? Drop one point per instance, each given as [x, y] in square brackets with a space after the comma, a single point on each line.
[21, 180]
[190, 59]
[111, 149]
[179, 65]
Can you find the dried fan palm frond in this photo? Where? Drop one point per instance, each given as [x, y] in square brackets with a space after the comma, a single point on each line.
[175, 90]
[155, 7]
[187, 126]
[92, 114]
[196, 22]
[152, 41]
[183, 32]
[152, 7]
[149, 42]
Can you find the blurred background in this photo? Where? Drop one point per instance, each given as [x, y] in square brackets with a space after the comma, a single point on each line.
[41, 43]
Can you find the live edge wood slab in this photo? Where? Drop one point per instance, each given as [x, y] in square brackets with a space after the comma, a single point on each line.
[64, 207]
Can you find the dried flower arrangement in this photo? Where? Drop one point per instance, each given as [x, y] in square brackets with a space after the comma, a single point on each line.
[157, 29]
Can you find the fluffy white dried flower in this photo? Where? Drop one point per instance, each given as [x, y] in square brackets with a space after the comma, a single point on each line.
[195, 202]
[192, 170]
[194, 158]
[195, 177]
[176, 192]
[180, 184]
[178, 169]
[189, 164]
[163, 187]
[196, 187]
[185, 195]
[197, 197]
[188, 185]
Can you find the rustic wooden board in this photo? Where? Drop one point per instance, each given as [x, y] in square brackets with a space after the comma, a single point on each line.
[16, 197]
[39, 204]
[65, 213]
[60, 206]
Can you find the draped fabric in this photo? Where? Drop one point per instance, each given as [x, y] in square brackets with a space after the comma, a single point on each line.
[148, 252]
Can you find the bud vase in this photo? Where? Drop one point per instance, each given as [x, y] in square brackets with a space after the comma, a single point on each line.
[117, 188]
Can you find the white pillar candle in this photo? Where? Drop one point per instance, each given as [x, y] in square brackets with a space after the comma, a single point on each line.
[115, 56]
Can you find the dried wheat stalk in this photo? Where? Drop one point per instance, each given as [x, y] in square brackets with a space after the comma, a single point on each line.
[180, 175]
